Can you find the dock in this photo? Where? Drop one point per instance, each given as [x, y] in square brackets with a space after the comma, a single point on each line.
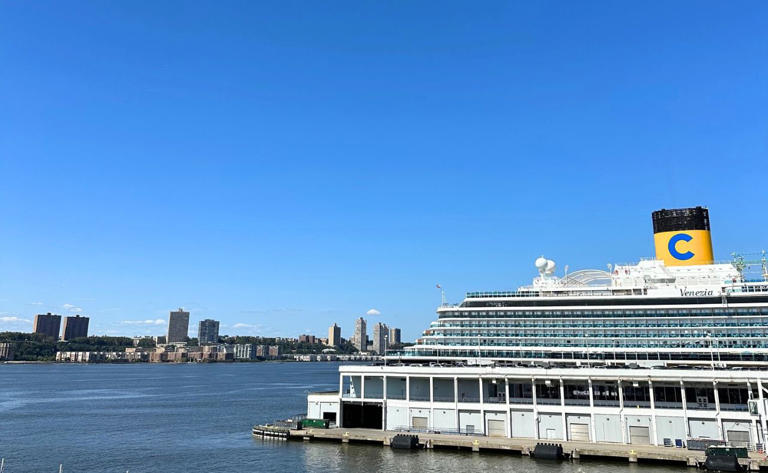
[572, 450]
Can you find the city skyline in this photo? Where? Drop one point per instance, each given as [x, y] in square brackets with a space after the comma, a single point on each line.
[323, 175]
[210, 328]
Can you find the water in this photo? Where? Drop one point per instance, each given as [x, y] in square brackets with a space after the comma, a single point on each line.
[197, 417]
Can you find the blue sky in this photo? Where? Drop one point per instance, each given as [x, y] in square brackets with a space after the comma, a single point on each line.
[280, 166]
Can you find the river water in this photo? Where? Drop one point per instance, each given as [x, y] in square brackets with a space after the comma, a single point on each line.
[197, 417]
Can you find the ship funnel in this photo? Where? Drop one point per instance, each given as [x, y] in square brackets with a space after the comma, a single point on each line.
[681, 236]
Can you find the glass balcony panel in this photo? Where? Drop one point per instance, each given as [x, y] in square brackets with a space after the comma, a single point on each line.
[443, 390]
[395, 388]
[468, 390]
[351, 387]
[419, 389]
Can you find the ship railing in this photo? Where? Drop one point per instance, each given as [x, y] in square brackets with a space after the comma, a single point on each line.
[733, 407]
[521, 400]
[446, 398]
[548, 401]
[292, 422]
[500, 399]
[484, 294]
[747, 287]
[607, 402]
[668, 405]
[350, 394]
[469, 398]
[416, 430]
[419, 397]
[576, 402]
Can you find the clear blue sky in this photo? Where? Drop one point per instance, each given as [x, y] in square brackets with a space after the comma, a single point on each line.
[280, 166]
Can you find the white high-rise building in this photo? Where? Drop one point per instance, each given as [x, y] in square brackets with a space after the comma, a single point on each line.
[360, 339]
[380, 335]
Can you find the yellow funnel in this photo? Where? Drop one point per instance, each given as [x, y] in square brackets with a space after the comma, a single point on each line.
[681, 236]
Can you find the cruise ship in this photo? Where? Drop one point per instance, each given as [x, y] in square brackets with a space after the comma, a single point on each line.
[660, 352]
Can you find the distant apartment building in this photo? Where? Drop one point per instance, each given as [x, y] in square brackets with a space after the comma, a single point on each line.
[178, 326]
[6, 351]
[271, 351]
[360, 339]
[394, 336]
[47, 324]
[245, 351]
[307, 339]
[74, 327]
[380, 336]
[146, 340]
[208, 332]
[334, 336]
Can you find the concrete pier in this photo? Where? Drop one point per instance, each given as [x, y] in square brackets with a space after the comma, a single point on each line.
[575, 450]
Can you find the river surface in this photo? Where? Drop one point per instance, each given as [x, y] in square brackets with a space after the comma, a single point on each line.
[197, 417]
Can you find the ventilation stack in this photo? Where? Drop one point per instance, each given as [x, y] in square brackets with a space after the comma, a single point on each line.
[682, 237]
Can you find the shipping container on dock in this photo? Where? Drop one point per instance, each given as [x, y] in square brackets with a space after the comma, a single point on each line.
[315, 423]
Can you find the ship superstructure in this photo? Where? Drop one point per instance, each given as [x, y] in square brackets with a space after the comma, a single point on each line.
[665, 350]
[647, 313]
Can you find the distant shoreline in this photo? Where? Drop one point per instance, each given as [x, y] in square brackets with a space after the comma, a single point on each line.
[25, 362]
[53, 362]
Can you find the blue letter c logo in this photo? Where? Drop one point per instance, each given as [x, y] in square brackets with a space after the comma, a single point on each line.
[673, 243]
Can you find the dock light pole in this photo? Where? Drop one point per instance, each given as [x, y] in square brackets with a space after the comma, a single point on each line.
[386, 345]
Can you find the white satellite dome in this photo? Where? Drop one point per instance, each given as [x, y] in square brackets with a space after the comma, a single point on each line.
[541, 263]
[550, 267]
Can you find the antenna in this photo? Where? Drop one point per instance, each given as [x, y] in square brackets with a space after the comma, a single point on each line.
[442, 294]
[741, 263]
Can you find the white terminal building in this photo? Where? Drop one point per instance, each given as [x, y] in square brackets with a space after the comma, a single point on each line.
[659, 352]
